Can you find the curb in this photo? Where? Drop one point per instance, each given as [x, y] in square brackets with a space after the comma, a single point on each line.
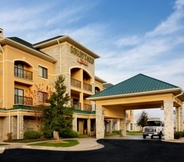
[2, 149]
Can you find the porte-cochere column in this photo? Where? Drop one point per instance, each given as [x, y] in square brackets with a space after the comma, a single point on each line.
[179, 119]
[99, 122]
[168, 120]
[123, 124]
[110, 126]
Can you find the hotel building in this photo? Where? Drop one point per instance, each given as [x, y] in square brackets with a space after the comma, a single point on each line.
[27, 75]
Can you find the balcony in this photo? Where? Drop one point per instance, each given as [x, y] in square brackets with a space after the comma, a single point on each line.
[87, 107]
[76, 105]
[75, 83]
[87, 87]
[21, 73]
[22, 100]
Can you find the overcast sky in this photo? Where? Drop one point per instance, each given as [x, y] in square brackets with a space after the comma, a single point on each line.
[130, 36]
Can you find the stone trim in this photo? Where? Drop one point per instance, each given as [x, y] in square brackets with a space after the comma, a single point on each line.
[99, 122]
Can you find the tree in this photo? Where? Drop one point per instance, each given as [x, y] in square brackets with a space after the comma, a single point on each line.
[142, 119]
[57, 117]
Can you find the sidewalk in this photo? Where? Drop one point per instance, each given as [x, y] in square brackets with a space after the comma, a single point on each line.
[84, 144]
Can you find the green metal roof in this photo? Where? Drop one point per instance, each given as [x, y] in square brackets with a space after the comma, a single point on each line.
[138, 83]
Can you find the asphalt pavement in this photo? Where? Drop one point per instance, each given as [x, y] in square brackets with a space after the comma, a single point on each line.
[116, 148]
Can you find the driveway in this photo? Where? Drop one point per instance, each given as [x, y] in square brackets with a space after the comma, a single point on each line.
[114, 150]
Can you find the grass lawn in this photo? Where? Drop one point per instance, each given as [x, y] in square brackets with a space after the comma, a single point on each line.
[25, 140]
[135, 133]
[60, 143]
[83, 135]
[1, 144]
[110, 134]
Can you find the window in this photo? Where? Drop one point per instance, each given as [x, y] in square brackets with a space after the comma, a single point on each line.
[42, 72]
[19, 69]
[42, 96]
[19, 96]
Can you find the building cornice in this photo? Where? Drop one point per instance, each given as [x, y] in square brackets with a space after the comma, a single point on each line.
[62, 39]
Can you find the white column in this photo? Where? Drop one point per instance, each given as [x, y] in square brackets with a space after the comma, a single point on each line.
[21, 126]
[181, 118]
[9, 123]
[88, 126]
[18, 125]
[74, 123]
[110, 126]
[168, 120]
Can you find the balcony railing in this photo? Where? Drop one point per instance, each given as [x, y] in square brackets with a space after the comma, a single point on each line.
[75, 83]
[22, 100]
[76, 105]
[87, 87]
[21, 73]
[87, 107]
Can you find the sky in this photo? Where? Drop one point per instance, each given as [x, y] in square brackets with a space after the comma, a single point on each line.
[130, 36]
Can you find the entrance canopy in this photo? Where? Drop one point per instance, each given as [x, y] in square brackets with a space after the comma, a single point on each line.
[139, 92]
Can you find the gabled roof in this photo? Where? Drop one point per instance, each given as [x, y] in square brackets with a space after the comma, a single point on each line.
[64, 38]
[21, 41]
[48, 40]
[22, 44]
[136, 84]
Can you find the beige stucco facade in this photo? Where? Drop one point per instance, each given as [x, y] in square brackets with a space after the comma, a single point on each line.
[27, 75]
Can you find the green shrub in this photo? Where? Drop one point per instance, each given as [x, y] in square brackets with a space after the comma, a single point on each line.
[48, 133]
[31, 134]
[177, 135]
[182, 134]
[68, 134]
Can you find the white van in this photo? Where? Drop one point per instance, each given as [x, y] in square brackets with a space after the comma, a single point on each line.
[154, 127]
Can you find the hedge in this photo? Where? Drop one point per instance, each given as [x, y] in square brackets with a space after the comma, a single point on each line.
[31, 134]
